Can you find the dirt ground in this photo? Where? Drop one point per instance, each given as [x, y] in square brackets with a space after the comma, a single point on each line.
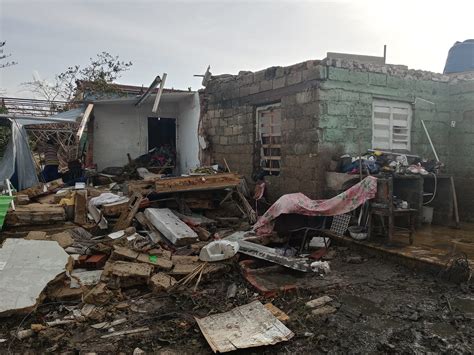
[383, 308]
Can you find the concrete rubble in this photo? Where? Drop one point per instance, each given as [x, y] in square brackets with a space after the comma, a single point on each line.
[183, 271]
[26, 268]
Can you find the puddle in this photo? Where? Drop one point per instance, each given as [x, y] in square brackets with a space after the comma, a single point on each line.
[363, 305]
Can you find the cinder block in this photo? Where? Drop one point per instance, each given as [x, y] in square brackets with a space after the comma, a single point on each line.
[377, 79]
[228, 131]
[242, 139]
[338, 74]
[358, 77]
[279, 82]
[294, 78]
[266, 85]
[338, 109]
[237, 130]
[304, 97]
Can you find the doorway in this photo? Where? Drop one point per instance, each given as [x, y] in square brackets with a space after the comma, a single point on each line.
[162, 141]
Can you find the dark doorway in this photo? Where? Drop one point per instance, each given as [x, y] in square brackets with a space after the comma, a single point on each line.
[162, 145]
[161, 132]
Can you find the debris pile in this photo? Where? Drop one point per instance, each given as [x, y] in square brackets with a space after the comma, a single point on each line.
[82, 265]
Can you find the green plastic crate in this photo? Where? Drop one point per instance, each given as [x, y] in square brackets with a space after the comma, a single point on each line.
[4, 205]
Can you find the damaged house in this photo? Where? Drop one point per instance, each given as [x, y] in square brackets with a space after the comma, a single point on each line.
[125, 127]
[289, 123]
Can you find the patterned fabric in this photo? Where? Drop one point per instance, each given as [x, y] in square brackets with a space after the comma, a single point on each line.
[300, 204]
[51, 155]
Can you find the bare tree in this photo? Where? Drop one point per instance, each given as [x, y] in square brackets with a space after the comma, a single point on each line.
[3, 56]
[99, 75]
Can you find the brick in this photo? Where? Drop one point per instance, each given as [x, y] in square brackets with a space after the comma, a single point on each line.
[161, 282]
[127, 273]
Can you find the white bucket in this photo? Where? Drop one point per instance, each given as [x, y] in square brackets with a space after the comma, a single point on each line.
[427, 214]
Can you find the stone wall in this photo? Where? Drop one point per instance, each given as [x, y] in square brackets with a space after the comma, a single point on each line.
[229, 123]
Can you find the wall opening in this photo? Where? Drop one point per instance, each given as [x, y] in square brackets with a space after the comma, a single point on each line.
[162, 141]
[269, 136]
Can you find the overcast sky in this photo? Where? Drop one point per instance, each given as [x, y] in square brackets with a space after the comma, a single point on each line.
[182, 37]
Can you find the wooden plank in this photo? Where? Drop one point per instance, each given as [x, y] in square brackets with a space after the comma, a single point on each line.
[85, 119]
[80, 209]
[35, 213]
[126, 217]
[114, 209]
[197, 183]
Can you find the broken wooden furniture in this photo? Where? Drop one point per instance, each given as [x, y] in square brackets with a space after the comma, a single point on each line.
[127, 215]
[383, 207]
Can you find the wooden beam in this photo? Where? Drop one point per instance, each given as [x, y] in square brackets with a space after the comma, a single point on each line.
[85, 119]
[158, 95]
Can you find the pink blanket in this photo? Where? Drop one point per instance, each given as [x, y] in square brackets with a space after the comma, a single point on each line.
[300, 204]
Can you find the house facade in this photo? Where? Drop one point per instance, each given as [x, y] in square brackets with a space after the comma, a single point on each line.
[119, 128]
[291, 121]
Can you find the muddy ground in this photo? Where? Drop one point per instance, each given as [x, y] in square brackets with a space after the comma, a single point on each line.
[382, 307]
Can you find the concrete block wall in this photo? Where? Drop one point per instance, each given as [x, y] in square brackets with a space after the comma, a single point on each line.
[346, 109]
[461, 147]
[229, 123]
[326, 110]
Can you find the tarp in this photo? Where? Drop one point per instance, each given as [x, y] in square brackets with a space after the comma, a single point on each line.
[17, 156]
[300, 204]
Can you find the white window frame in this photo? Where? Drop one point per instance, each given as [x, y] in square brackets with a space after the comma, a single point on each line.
[272, 171]
[391, 107]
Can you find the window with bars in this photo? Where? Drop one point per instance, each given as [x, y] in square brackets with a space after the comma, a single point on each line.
[269, 135]
[391, 125]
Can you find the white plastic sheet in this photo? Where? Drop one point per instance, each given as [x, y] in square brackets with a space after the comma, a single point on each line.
[18, 157]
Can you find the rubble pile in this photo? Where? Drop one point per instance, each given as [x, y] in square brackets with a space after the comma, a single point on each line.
[169, 263]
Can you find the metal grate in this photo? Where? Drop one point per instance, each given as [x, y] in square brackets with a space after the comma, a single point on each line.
[340, 223]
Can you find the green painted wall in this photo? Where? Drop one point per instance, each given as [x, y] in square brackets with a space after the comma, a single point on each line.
[346, 98]
[345, 101]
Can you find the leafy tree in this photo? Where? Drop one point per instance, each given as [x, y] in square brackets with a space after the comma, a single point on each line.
[99, 76]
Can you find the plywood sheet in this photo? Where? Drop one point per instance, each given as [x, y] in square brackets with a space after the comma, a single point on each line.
[243, 327]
